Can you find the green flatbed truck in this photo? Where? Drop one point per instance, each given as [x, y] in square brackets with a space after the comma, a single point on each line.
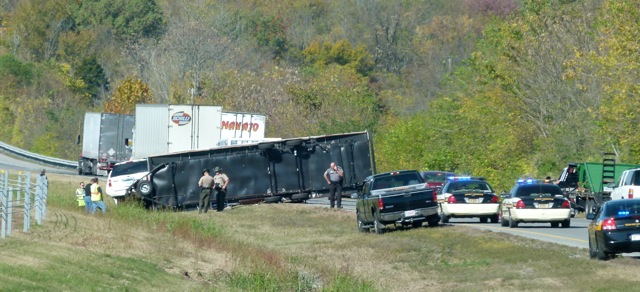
[589, 184]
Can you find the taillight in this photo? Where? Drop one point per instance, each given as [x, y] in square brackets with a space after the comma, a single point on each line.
[434, 195]
[566, 204]
[451, 199]
[609, 224]
[494, 199]
[520, 204]
[380, 204]
[630, 194]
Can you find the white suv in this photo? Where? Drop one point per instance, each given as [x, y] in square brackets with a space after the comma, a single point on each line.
[123, 175]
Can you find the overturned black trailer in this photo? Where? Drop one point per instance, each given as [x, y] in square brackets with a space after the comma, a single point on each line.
[282, 170]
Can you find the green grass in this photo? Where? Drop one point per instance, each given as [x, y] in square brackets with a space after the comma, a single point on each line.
[283, 247]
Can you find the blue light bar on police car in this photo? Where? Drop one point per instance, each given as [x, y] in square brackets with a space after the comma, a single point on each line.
[459, 178]
[523, 181]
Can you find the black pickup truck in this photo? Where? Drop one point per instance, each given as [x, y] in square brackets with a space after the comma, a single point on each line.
[400, 198]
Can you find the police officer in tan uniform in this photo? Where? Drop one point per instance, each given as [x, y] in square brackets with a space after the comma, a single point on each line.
[206, 184]
[221, 181]
[333, 175]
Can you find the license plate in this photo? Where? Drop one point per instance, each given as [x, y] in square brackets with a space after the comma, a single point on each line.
[410, 213]
[473, 201]
[543, 206]
[635, 237]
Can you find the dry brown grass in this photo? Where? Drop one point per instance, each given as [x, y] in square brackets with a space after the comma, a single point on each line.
[321, 245]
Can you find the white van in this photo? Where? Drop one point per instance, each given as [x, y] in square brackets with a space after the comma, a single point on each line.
[123, 175]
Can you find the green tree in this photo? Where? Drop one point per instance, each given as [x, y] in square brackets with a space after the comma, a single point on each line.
[37, 25]
[341, 53]
[127, 95]
[129, 20]
[91, 72]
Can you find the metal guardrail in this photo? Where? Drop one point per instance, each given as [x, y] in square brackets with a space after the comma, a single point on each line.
[38, 157]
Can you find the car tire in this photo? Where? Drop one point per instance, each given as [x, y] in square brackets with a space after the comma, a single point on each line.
[566, 223]
[484, 219]
[494, 218]
[600, 254]
[555, 224]
[434, 223]
[512, 223]
[273, 199]
[416, 224]
[445, 219]
[145, 188]
[592, 251]
[361, 227]
[504, 222]
[378, 227]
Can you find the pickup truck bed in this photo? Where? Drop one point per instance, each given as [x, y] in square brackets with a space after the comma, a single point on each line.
[407, 201]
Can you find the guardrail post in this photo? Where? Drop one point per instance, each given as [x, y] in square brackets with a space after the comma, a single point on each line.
[37, 205]
[10, 211]
[4, 214]
[19, 186]
[27, 212]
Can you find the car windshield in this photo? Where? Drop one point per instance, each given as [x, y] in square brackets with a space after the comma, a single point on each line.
[436, 176]
[545, 190]
[469, 187]
[399, 180]
[129, 168]
[621, 208]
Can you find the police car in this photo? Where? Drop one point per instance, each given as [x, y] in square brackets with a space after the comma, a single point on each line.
[467, 197]
[532, 201]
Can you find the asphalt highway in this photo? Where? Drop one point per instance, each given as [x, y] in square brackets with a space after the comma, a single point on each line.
[575, 236]
[17, 164]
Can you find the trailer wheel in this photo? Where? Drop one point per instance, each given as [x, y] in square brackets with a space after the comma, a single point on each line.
[81, 167]
[145, 188]
[299, 197]
[293, 143]
[265, 146]
[274, 199]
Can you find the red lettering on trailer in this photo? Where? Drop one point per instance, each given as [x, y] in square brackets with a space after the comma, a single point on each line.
[227, 125]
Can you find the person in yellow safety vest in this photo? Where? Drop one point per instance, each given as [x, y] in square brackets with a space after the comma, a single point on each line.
[96, 197]
[80, 195]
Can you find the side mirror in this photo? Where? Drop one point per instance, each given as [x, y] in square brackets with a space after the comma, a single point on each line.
[590, 216]
[354, 195]
[503, 194]
[611, 185]
[78, 139]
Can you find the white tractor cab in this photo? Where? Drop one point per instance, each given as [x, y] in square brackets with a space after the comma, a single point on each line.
[123, 175]
[628, 186]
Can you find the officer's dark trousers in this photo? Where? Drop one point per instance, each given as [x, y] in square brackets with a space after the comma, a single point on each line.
[221, 195]
[204, 200]
[335, 194]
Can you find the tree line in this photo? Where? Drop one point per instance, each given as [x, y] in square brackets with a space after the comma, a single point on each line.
[498, 88]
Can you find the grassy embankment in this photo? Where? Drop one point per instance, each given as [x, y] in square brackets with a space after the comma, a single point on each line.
[282, 247]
